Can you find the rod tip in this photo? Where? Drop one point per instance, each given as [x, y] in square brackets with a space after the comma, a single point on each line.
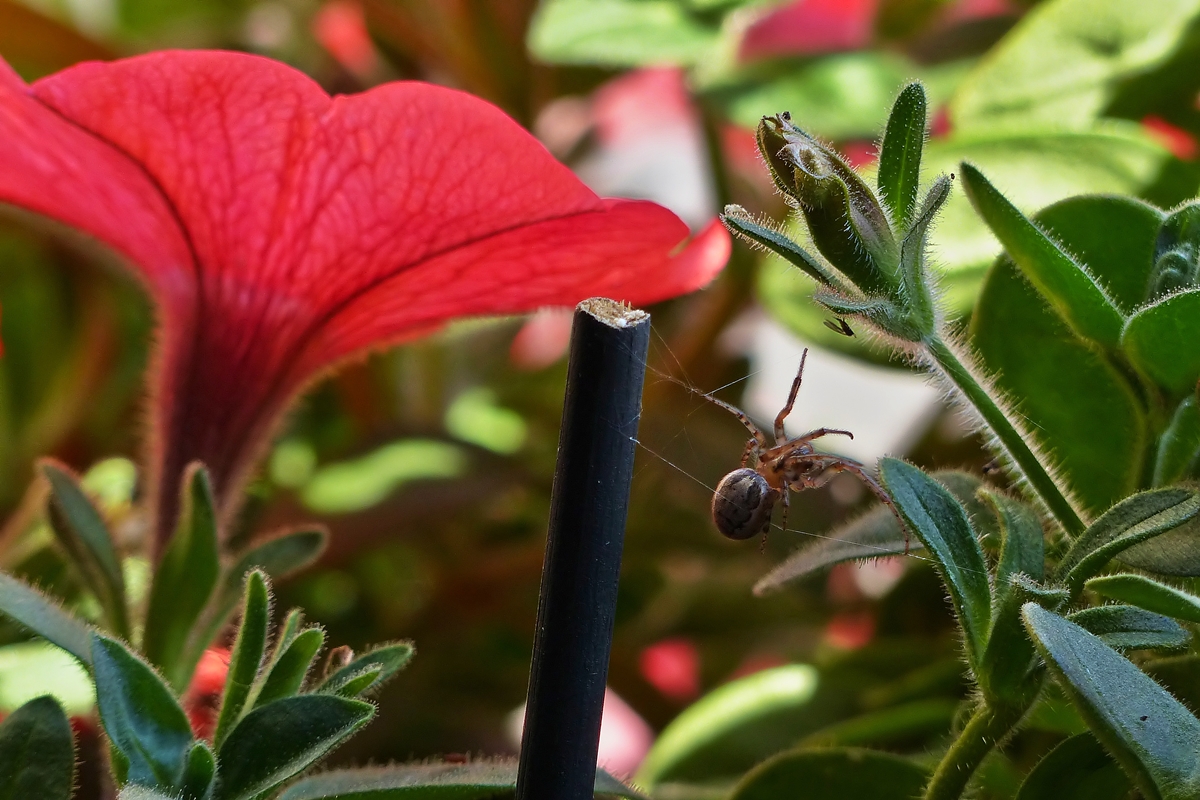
[613, 313]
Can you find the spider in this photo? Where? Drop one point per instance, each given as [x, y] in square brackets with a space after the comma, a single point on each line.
[745, 498]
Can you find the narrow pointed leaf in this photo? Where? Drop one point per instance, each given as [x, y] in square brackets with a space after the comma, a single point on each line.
[1124, 627]
[935, 517]
[198, 774]
[37, 753]
[735, 707]
[832, 774]
[1076, 769]
[740, 222]
[82, 531]
[135, 792]
[1008, 674]
[900, 156]
[481, 780]
[1176, 552]
[875, 534]
[288, 672]
[1132, 521]
[1066, 285]
[276, 741]
[391, 658]
[277, 557]
[1150, 733]
[46, 618]
[918, 286]
[1023, 547]
[1147, 593]
[184, 581]
[140, 715]
[357, 684]
[1163, 339]
[247, 655]
[1179, 444]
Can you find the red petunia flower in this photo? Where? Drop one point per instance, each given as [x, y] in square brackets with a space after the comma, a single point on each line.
[281, 231]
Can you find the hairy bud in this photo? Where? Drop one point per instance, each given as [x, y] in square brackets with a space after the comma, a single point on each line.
[1176, 253]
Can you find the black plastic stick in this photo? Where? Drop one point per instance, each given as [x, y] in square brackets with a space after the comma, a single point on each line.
[583, 552]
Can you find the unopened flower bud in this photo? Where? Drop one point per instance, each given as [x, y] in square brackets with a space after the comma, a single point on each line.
[846, 220]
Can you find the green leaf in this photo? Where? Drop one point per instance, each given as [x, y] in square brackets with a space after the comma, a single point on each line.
[1023, 548]
[1130, 628]
[197, 780]
[289, 670]
[47, 619]
[1064, 62]
[833, 774]
[247, 655]
[134, 792]
[619, 33]
[940, 521]
[873, 535]
[1150, 734]
[481, 780]
[1007, 673]
[917, 720]
[83, 533]
[1078, 406]
[1163, 340]
[278, 556]
[1179, 444]
[1176, 552]
[1065, 284]
[390, 658]
[37, 753]
[739, 221]
[900, 155]
[1076, 769]
[736, 705]
[184, 580]
[918, 286]
[1133, 520]
[1149, 594]
[140, 715]
[276, 741]
[357, 684]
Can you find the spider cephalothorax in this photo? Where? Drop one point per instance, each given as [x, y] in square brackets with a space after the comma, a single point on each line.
[745, 498]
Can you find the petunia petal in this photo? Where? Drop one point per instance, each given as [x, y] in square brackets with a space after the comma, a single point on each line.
[308, 228]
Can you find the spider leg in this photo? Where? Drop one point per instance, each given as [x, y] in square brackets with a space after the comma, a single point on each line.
[762, 546]
[780, 438]
[819, 432]
[758, 435]
[752, 448]
[837, 464]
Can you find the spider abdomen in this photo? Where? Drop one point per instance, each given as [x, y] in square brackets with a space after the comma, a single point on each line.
[742, 504]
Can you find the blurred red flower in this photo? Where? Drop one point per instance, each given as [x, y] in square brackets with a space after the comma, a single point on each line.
[811, 27]
[282, 231]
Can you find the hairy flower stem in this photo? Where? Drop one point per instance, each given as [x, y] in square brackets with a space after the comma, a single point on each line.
[986, 727]
[1009, 437]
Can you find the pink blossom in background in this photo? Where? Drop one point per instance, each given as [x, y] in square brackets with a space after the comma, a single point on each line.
[810, 27]
[673, 667]
[341, 28]
[542, 340]
[1181, 143]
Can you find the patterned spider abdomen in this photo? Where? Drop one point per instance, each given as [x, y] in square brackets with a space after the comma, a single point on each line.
[742, 504]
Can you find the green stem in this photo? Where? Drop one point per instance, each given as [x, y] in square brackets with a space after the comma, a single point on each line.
[1009, 437]
[985, 728]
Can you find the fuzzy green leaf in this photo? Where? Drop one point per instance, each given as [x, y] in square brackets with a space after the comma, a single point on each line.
[1007, 673]
[391, 658]
[918, 285]
[85, 536]
[1130, 628]
[876, 534]
[278, 556]
[735, 706]
[1150, 734]
[1023, 548]
[832, 774]
[276, 741]
[46, 618]
[1076, 769]
[1065, 284]
[1176, 552]
[289, 670]
[1143, 592]
[939, 520]
[37, 753]
[355, 685]
[133, 791]
[198, 774]
[741, 223]
[1179, 444]
[900, 155]
[247, 655]
[141, 717]
[184, 580]
[1132, 521]
[1163, 339]
[482, 780]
